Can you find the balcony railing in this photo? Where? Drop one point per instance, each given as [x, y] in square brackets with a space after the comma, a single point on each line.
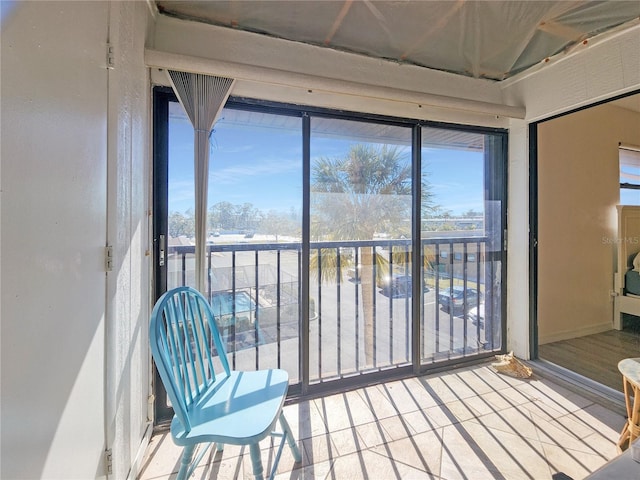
[255, 291]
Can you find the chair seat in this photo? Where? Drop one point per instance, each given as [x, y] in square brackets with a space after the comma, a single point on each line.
[239, 409]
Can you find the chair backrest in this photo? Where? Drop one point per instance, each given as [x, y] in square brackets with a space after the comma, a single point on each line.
[182, 334]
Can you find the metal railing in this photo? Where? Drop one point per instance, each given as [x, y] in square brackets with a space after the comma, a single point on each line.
[360, 316]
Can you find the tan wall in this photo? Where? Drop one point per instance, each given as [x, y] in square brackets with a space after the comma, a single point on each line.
[578, 180]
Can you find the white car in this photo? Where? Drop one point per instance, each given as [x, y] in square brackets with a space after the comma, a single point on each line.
[477, 313]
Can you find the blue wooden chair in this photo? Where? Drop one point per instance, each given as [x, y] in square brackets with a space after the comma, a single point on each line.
[235, 408]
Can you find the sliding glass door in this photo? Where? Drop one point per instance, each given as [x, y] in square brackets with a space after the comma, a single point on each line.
[342, 248]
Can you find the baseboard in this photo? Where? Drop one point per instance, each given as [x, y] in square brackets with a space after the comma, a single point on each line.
[574, 333]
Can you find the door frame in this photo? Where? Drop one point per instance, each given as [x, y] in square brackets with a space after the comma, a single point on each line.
[496, 169]
[533, 216]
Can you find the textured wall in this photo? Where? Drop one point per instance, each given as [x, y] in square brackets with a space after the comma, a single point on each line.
[54, 202]
[128, 285]
[595, 71]
[75, 176]
[518, 240]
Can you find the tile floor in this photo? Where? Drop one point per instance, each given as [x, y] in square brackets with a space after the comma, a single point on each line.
[470, 423]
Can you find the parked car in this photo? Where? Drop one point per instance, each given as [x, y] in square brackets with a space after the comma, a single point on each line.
[353, 273]
[452, 300]
[476, 315]
[398, 285]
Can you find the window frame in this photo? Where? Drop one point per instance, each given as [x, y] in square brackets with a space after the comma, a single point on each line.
[628, 186]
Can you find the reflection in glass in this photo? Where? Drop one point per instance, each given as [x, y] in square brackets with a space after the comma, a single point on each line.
[461, 245]
[255, 198]
[361, 185]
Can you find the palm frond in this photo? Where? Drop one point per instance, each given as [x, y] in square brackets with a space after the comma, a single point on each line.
[326, 266]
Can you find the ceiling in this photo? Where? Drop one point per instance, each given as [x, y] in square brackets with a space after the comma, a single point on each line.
[483, 39]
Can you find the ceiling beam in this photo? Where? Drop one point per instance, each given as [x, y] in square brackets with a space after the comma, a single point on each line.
[267, 75]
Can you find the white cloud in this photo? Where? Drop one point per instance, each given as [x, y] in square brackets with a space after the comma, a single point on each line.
[270, 167]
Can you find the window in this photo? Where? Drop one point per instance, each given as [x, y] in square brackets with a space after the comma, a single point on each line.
[629, 156]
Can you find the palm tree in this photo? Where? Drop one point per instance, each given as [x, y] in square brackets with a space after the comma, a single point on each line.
[353, 197]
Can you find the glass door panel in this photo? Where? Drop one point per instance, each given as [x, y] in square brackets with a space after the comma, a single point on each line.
[461, 241]
[360, 251]
[253, 232]
[180, 240]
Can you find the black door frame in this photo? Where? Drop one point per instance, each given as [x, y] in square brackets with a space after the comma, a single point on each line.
[495, 178]
[533, 217]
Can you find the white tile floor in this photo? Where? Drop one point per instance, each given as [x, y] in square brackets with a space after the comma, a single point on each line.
[470, 423]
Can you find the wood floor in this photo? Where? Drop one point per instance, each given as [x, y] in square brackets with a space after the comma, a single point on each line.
[595, 356]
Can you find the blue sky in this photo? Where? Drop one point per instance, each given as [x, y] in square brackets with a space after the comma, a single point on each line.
[263, 167]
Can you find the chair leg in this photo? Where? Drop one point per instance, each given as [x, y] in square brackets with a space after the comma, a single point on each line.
[256, 461]
[290, 438]
[185, 463]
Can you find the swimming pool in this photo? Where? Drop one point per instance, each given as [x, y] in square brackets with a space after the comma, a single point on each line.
[222, 304]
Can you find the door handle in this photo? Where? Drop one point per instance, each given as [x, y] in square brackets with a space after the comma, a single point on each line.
[162, 250]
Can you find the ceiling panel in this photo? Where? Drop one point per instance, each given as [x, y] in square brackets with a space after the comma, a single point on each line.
[481, 39]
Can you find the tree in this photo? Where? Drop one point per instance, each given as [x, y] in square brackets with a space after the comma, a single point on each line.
[471, 213]
[278, 223]
[179, 224]
[221, 216]
[353, 197]
[226, 216]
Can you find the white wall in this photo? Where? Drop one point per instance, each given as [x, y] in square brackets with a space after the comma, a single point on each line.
[518, 240]
[128, 225]
[53, 214]
[75, 175]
